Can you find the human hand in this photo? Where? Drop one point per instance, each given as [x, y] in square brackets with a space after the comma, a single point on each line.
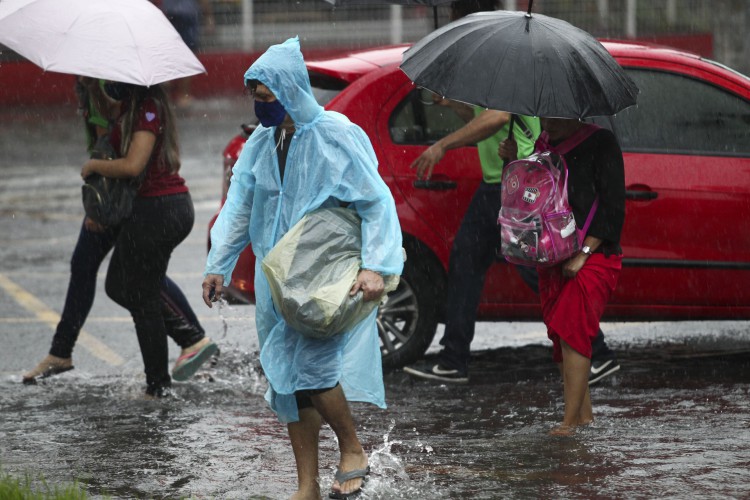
[426, 162]
[439, 100]
[88, 169]
[508, 150]
[371, 284]
[213, 286]
[93, 226]
[573, 265]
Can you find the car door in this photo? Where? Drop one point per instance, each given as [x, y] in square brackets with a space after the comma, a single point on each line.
[414, 121]
[686, 238]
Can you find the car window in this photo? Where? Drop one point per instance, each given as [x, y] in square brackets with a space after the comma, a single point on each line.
[419, 120]
[679, 114]
[325, 87]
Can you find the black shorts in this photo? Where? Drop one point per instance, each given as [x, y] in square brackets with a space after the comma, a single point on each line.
[303, 397]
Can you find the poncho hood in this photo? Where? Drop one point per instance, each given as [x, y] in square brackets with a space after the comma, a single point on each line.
[282, 69]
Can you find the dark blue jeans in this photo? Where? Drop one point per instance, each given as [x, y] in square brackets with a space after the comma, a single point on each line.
[90, 250]
[473, 252]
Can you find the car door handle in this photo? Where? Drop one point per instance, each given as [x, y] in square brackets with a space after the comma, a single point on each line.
[640, 195]
[434, 185]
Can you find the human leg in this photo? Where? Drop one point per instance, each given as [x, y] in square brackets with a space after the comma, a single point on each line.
[136, 273]
[334, 409]
[603, 359]
[305, 436]
[184, 328]
[90, 250]
[575, 371]
[180, 319]
[571, 309]
[472, 254]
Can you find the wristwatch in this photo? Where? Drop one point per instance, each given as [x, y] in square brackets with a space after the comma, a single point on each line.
[587, 250]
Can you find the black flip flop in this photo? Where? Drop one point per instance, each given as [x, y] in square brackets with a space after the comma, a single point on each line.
[343, 477]
[49, 372]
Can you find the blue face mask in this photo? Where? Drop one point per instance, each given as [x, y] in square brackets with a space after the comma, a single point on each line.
[270, 114]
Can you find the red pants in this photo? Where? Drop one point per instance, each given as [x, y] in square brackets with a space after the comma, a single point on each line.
[572, 308]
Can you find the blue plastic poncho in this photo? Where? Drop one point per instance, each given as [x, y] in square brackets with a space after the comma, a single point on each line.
[330, 162]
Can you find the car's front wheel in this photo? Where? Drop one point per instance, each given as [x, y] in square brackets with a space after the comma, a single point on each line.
[409, 318]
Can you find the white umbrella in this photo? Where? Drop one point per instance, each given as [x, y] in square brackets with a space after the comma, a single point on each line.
[121, 40]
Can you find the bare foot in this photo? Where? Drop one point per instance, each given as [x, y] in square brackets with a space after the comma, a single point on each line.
[50, 365]
[563, 430]
[350, 462]
[311, 494]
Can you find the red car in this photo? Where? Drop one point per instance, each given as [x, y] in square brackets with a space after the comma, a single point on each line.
[686, 238]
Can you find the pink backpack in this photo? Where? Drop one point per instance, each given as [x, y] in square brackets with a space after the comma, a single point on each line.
[537, 227]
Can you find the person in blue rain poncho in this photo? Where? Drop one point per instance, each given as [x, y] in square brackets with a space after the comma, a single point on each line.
[302, 158]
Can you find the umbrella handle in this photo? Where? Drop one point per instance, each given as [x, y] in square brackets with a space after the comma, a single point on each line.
[512, 124]
[510, 132]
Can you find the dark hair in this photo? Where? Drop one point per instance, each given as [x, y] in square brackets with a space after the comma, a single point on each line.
[251, 85]
[461, 8]
[170, 154]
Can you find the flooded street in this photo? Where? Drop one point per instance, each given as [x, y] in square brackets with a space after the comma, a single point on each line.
[674, 422]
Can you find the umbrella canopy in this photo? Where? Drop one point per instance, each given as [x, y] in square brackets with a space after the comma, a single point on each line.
[122, 40]
[521, 63]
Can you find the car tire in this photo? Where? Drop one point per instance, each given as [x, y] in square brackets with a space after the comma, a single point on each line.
[408, 320]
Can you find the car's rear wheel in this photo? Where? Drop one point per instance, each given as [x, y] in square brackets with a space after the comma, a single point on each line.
[409, 318]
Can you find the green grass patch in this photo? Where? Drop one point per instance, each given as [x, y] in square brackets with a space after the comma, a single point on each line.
[27, 488]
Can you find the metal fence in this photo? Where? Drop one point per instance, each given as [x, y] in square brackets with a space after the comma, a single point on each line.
[320, 24]
[255, 24]
[252, 25]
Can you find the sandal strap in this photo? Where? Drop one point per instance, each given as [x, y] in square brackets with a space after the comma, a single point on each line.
[187, 356]
[342, 477]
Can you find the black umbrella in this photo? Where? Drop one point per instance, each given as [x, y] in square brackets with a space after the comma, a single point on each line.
[430, 3]
[521, 63]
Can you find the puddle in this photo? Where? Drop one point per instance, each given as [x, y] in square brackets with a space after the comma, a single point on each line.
[667, 425]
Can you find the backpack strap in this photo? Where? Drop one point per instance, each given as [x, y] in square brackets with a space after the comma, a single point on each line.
[563, 148]
[518, 121]
[568, 144]
[584, 231]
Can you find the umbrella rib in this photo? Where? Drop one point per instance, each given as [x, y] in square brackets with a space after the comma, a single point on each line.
[456, 76]
[497, 71]
[61, 46]
[140, 57]
[569, 76]
[481, 41]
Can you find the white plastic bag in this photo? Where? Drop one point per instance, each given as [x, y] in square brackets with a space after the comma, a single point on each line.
[313, 267]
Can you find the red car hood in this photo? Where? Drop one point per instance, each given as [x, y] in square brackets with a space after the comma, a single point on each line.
[351, 66]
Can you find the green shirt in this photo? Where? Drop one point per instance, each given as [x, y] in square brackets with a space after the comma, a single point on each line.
[492, 165]
[93, 119]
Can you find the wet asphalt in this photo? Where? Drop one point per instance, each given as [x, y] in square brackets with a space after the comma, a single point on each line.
[673, 422]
